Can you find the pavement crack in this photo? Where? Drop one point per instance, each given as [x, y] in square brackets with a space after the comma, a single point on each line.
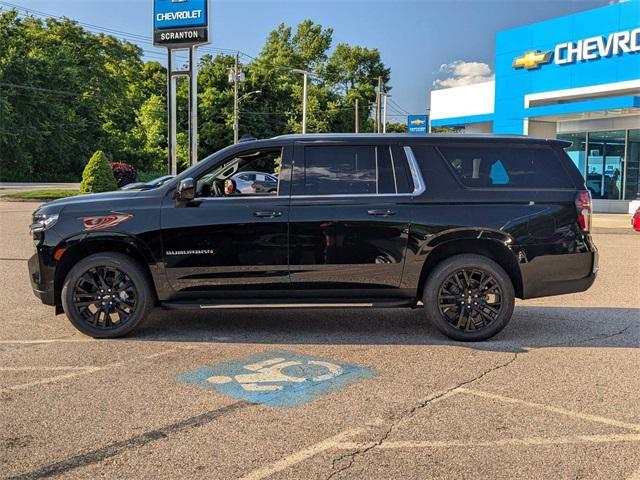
[606, 336]
[350, 457]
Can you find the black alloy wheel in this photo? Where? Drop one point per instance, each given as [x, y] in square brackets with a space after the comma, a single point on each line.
[106, 295]
[469, 297]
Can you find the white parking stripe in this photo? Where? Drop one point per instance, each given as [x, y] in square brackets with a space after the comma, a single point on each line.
[301, 455]
[83, 371]
[550, 408]
[340, 441]
[40, 369]
[527, 441]
[45, 340]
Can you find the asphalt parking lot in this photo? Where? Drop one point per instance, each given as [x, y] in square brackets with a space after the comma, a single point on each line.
[555, 395]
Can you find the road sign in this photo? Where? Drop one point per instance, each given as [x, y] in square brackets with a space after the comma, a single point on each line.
[417, 124]
[277, 378]
[180, 23]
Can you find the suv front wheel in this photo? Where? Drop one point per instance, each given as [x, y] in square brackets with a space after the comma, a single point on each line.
[106, 295]
[469, 297]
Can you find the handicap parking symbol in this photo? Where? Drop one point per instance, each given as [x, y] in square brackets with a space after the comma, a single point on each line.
[277, 378]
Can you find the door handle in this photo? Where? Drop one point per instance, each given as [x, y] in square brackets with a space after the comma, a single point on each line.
[381, 213]
[267, 214]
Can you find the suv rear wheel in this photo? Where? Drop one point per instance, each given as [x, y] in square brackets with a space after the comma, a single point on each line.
[469, 297]
[106, 295]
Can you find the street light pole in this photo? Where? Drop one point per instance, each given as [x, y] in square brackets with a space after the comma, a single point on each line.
[378, 93]
[305, 79]
[235, 99]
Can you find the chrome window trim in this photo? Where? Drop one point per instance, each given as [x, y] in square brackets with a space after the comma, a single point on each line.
[416, 175]
[418, 187]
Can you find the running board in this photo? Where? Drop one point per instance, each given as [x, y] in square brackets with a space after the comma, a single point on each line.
[392, 303]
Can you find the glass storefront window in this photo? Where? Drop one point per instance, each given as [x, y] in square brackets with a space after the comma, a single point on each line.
[605, 164]
[577, 150]
[632, 190]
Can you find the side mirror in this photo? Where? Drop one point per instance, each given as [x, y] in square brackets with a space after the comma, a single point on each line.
[186, 190]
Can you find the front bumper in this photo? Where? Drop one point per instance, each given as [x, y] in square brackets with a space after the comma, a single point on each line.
[41, 280]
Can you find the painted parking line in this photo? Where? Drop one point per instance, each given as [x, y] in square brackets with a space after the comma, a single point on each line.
[74, 371]
[341, 441]
[277, 378]
[45, 341]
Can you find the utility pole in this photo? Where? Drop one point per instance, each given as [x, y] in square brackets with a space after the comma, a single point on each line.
[378, 94]
[235, 99]
[304, 102]
[384, 119]
[357, 118]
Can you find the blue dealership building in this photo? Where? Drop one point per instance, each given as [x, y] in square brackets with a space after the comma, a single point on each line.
[575, 77]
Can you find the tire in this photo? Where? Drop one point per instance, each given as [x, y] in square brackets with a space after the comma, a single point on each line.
[128, 302]
[467, 317]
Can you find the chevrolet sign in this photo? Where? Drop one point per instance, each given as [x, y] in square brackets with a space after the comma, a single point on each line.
[180, 23]
[592, 48]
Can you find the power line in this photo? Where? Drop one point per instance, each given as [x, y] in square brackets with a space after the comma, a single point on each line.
[40, 89]
[393, 102]
[132, 37]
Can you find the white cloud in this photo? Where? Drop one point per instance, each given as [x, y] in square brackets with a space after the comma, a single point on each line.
[612, 2]
[459, 73]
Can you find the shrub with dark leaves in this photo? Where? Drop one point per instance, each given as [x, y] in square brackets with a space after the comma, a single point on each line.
[123, 173]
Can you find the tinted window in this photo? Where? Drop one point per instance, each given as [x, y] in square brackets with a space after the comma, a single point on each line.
[516, 166]
[386, 175]
[331, 170]
[403, 174]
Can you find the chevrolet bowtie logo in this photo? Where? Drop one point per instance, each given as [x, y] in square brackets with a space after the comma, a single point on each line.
[532, 59]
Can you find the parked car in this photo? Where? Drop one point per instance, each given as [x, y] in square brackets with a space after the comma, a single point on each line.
[156, 182]
[635, 220]
[457, 226]
[255, 182]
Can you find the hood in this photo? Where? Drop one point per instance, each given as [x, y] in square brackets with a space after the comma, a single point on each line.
[88, 199]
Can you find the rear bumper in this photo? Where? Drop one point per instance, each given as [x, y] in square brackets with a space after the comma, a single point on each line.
[559, 274]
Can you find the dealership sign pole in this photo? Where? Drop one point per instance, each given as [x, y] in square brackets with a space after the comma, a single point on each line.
[181, 25]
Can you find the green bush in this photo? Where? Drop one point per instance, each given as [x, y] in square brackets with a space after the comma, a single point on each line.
[97, 175]
[148, 176]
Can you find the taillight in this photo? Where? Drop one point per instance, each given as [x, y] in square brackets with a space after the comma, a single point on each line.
[583, 209]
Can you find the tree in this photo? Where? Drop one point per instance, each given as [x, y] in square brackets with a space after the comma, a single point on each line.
[397, 128]
[150, 135]
[66, 92]
[97, 175]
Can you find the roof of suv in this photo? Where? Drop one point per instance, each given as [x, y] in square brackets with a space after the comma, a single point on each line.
[417, 138]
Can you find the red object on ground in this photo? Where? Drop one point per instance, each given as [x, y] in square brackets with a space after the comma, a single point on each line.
[635, 221]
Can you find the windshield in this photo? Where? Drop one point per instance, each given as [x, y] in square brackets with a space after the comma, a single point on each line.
[189, 172]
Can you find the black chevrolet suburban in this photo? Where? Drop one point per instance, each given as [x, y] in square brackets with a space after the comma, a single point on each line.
[457, 225]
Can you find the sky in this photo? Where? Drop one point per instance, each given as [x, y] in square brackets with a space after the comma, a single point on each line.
[427, 44]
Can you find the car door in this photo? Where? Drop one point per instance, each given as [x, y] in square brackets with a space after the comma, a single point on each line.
[215, 246]
[349, 219]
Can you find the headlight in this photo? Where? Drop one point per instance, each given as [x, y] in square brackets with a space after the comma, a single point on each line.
[42, 221]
